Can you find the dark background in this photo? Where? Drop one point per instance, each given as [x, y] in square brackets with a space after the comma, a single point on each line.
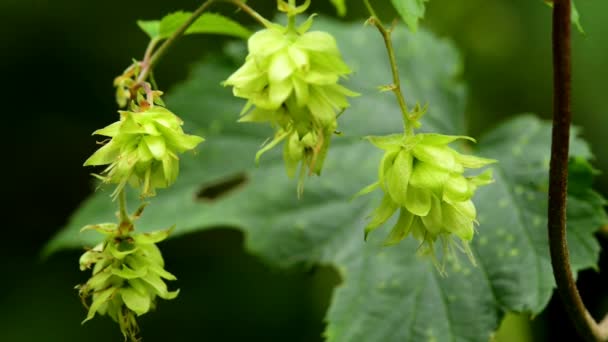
[57, 62]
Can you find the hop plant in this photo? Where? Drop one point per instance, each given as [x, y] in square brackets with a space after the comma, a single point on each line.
[128, 273]
[291, 80]
[143, 149]
[424, 179]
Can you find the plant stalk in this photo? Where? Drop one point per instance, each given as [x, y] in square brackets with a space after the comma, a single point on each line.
[586, 326]
[291, 18]
[151, 59]
[122, 204]
[149, 64]
[125, 225]
[408, 121]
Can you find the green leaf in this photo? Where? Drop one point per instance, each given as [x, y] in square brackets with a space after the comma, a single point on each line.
[150, 27]
[576, 17]
[410, 11]
[207, 23]
[387, 293]
[514, 210]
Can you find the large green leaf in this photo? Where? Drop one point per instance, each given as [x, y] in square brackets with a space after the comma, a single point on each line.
[206, 23]
[411, 11]
[388, 294]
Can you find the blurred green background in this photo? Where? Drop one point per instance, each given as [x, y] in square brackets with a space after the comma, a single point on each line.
[57, 62]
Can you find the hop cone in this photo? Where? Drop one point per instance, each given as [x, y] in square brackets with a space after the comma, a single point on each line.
[143, 149]
[291, 80]
[424, 179]
[128, 273]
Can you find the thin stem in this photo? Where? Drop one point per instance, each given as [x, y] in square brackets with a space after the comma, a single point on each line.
[558, 178]
[408, 121]
[171, 40]
[370, 9]
[250, 11]
[149, 50]
[125, 225]
[291, 18]
[122, 204]
[150, 60]
[153, 80]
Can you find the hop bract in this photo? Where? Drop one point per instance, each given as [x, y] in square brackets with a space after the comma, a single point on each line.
[128, 273]
[143, 149]
[291, 79]
[424, 179]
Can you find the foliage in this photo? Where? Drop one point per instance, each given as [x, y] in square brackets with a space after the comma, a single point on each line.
[206, 23]
[387, 293]
[411, 11]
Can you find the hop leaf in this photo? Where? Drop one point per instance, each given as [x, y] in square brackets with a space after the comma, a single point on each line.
[128, 273]
[143, 149]
[424, 178]
[291, 80]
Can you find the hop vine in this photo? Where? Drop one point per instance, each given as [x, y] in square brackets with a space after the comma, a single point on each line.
[141, 149]
[291, 79]
[424, 179]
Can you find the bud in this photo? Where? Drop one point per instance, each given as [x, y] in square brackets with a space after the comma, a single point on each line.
[291, 80]
[424, 179]
[128, 273]
[125, 82]
[143, 149]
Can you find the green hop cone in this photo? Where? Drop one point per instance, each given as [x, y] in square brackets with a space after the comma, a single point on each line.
[128, 273]
[424, 179]
[291, 80]
[143, 150]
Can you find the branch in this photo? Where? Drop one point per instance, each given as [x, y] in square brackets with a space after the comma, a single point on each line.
[150, 59]
[558, 177]
[150, 62]
[396, 86]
